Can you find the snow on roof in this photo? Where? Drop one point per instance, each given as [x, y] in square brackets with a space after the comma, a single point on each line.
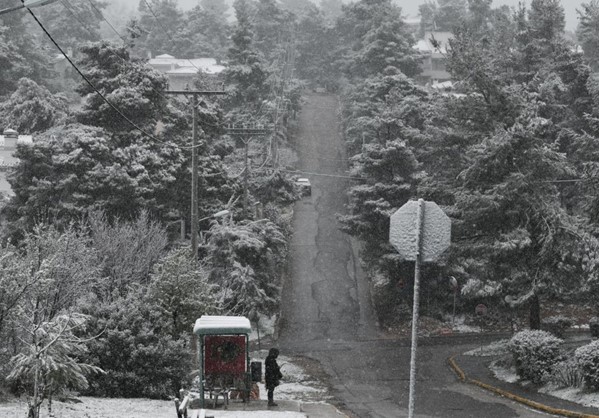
[187, 65]
[425, 44]
[217, 325]
[443, 85]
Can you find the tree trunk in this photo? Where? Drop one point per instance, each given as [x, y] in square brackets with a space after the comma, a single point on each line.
[535, 313]
[36, 384]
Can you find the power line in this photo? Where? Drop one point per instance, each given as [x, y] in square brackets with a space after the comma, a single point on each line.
[125, 61]
[133, 124]
[72, 11]
[105, 20]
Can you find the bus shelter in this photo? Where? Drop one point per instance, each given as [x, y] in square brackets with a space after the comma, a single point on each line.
[224, 358]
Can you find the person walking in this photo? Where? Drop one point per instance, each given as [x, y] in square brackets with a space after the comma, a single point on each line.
[272, 374]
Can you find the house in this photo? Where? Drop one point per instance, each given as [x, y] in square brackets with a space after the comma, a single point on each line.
[182, 71]
[433, 49]
[8, 145]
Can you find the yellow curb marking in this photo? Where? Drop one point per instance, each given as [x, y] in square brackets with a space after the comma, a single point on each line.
[541, 407]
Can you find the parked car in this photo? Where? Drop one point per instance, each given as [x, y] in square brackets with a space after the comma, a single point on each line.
[304, 186]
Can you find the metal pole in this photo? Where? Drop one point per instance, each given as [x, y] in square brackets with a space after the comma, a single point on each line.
[245, 178]
[194, 181]
[201, 368]
[455, 292]
[420, 218]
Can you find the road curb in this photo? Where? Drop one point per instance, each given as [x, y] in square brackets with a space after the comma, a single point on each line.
[536, 405]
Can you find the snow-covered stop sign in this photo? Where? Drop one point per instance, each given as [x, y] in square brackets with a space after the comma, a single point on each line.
[436, 231]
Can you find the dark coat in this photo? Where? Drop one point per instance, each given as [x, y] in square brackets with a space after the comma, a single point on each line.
[272, 373]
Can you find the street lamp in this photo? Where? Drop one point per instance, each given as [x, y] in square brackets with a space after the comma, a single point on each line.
[28, 4]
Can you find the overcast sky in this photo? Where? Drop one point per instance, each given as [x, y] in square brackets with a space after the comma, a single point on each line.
[410, 7]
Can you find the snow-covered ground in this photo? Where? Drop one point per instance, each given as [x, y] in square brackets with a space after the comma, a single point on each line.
[296, 384]
[503, 373]
[459, 325]
[257, 414]
[508, 374]
[576, 395]
[496, 348]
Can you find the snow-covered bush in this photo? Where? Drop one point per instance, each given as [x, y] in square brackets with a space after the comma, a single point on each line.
[534, 353]
[566, 374]
[594, 326]
[557, 325]
[587, 358]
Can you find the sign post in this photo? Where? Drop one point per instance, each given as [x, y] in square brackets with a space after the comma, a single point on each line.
[420, 232]
[453, 282]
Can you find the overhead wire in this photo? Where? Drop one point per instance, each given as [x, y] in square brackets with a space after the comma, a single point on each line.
[99, 12]
[112, 106]
[71, 9]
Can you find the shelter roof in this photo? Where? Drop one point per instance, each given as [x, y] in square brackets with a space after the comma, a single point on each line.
[222, 325]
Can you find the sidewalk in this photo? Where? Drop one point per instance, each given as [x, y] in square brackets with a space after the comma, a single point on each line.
[285, 409]
[475, 370]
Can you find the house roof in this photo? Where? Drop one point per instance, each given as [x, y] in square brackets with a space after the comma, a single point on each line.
[222, 325]
[425, 44]
[187, 65]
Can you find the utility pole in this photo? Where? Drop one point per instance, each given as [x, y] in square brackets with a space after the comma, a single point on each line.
[194, 162]
[246, 134]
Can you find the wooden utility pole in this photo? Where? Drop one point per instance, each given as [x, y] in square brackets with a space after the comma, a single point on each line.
[194, 162]
[246, 134]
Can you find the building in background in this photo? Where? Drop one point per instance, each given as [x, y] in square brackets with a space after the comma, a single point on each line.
[433, 48]
[182, 71]
[8, 145]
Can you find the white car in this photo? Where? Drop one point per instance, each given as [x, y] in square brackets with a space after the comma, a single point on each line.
[304, 186]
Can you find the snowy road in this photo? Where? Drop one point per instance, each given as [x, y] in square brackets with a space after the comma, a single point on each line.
[326, 308]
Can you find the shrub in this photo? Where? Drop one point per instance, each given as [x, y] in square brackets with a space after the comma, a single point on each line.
[566, 374]
[557, 325]
[136, 349]
[534, 353]
[587, 358]
[594, 326]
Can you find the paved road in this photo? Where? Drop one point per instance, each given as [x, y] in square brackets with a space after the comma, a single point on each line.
[327, 313]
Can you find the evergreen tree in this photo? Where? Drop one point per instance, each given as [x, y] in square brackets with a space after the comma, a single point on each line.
[159, 30]
[73, 23]
[373, 38]
[245, 75]
[32, 108]
[272, 28]
[208, 23]
[441, 15]
[331, 9]
[22, 55]
[588, 32]
[316, 47]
